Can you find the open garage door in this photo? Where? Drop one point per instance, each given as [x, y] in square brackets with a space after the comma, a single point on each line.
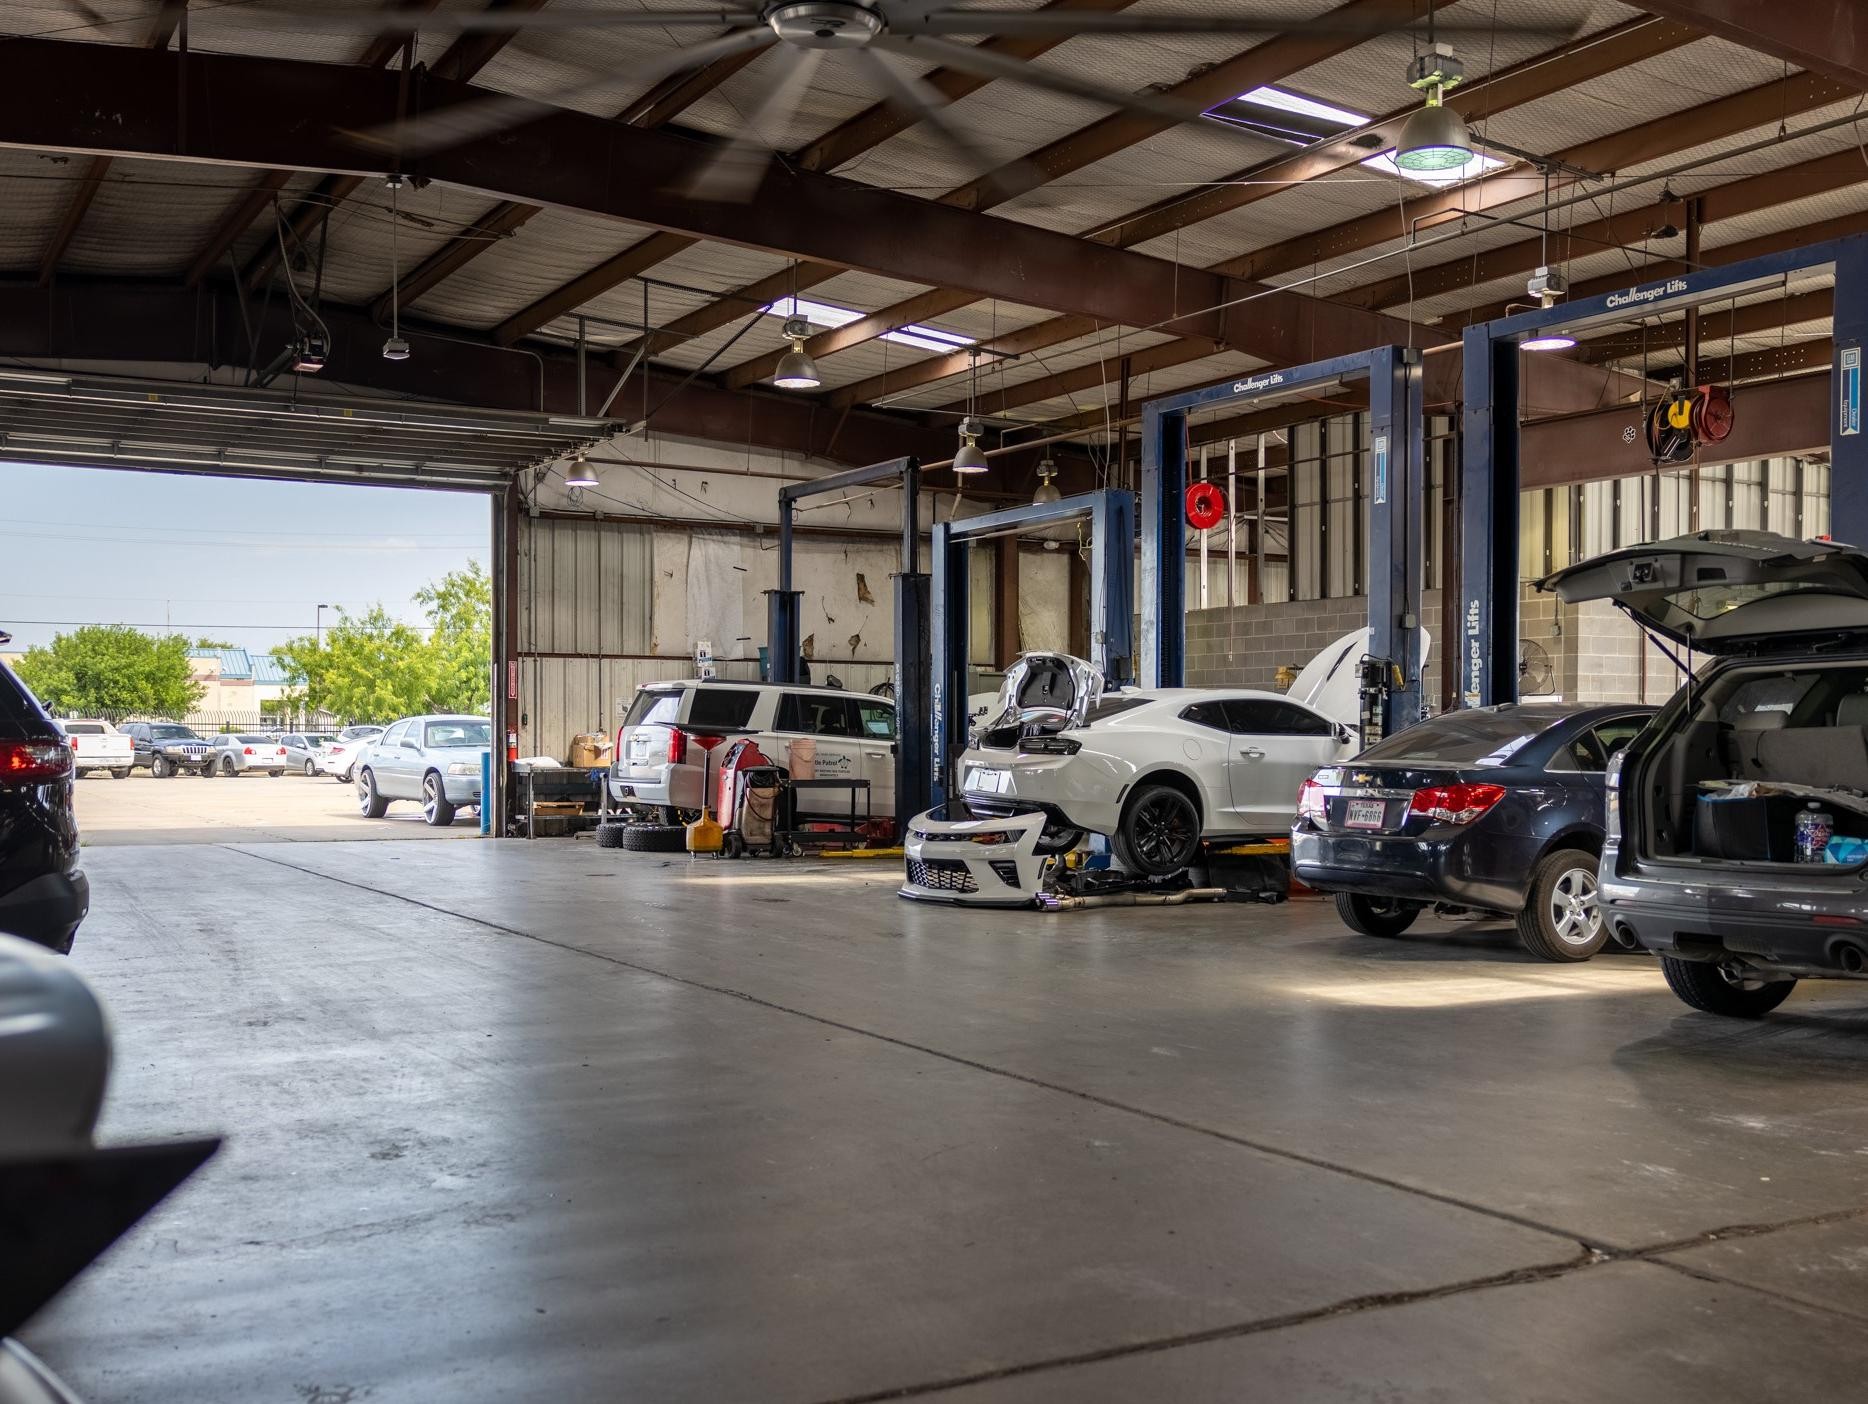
[108, 422]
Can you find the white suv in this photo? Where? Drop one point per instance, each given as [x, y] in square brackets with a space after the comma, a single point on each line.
[659, 763]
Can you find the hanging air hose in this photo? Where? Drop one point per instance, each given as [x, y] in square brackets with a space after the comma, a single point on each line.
[1680, 422]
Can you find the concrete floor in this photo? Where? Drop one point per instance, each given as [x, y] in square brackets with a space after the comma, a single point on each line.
[255, 808]
[541, 1121]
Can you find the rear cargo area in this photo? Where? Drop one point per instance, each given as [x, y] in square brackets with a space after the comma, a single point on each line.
[1758, 747]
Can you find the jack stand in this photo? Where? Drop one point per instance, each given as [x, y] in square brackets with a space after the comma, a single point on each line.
[1379, 678]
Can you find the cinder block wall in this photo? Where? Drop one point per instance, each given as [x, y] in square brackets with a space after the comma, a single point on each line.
[1596, 654]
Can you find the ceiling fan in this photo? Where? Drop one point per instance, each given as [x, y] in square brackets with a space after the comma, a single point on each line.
[806, 32]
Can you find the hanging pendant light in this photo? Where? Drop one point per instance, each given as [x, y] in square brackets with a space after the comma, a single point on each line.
[580, 474]
[1048, 492]
[1436, 137]
[395, 348]
[970, 459]
[796, 370]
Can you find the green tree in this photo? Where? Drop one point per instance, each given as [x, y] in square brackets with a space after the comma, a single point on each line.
[460, 607]
[370, 667]
[205, 644]
[112, 670]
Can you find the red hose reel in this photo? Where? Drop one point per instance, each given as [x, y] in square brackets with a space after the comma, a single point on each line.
[1687, 419]
[1206, 506]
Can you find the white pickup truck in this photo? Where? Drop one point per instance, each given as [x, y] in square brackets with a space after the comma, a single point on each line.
[97, 745]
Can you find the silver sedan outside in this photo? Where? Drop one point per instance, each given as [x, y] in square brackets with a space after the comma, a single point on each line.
[433, 759]
[234, 755]
[301, 749]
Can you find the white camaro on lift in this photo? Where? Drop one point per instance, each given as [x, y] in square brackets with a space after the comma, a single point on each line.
[1157, 770]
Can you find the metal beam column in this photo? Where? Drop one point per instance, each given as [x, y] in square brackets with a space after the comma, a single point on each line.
[1164, 547]
[1397, 500]
[1848, 444]
[1488, 500]
[947, 645]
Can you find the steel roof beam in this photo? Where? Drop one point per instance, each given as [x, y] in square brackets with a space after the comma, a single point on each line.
[1782, 242]
[1825, 36]
[1820, 176]
[110, 321]
[161, 30]
[843, 143]
[1267, 62]
[580, 162]
[1710, 121]
[1536, 77]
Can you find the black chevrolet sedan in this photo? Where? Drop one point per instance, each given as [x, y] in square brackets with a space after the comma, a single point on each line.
[1488, 809]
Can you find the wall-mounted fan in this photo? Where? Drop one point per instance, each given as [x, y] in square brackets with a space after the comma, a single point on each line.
[1536, 677]
[803, 33]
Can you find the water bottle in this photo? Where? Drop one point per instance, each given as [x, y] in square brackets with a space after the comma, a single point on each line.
[1814, 827]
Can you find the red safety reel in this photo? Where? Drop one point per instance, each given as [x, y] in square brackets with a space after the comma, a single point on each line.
[1206, 506]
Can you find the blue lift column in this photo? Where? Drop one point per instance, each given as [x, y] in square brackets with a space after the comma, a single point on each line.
[1397, 506]
[1486, 653]
[911, 622]
[1848, 436]
[1112, 605]
[1490, 452]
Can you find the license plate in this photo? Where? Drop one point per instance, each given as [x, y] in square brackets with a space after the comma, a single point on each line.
[1364, 814]
[990, 782]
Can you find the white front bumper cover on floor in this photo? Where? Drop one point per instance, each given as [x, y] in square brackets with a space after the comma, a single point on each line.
[981, 861]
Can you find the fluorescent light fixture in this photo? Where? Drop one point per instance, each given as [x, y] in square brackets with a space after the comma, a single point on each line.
[1477, 165]
[1549, 341]
[34, 377]
[824, 314]
[1277, 98]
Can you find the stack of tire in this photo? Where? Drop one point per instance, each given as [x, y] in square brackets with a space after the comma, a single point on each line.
[643, 838]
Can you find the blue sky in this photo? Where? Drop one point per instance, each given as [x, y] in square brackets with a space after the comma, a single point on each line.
[240, 560]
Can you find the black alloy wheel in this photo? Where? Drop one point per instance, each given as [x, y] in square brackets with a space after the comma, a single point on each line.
[1159, 833]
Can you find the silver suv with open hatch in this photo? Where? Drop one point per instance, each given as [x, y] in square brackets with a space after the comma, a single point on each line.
[1737, 846]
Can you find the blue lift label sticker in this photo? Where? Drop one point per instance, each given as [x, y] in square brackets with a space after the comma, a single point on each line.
[1381, 469]
[1851, 385]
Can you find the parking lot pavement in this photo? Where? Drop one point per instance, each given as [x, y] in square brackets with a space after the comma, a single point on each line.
[243, 809]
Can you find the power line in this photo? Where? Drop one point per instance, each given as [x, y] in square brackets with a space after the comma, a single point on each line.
[205, 628]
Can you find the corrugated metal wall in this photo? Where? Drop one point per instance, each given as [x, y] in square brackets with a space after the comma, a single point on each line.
[585, 601]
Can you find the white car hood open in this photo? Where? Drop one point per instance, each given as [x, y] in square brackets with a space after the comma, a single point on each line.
[1331, 683]
[1037, 683]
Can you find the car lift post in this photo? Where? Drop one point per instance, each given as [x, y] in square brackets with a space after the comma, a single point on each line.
[1491, 432]
[912, 776]
[1112, 605]
[1397, 505]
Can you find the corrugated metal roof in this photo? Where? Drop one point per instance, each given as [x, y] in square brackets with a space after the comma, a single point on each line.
[150, 218]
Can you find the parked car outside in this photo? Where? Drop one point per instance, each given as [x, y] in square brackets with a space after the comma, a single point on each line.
[433, 759]
[659, 765]
[44, 894]
[339, 756]
[168, 748]
[1700, 864]
[236, 755]
[1487, 809]
[301, 749]
[97, 745]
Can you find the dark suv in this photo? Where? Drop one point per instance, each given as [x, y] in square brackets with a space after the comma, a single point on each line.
[1760, 761]
[168, 747]
[43, 893]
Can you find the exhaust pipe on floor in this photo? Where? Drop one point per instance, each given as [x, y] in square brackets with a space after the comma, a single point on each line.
[1132, 899]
